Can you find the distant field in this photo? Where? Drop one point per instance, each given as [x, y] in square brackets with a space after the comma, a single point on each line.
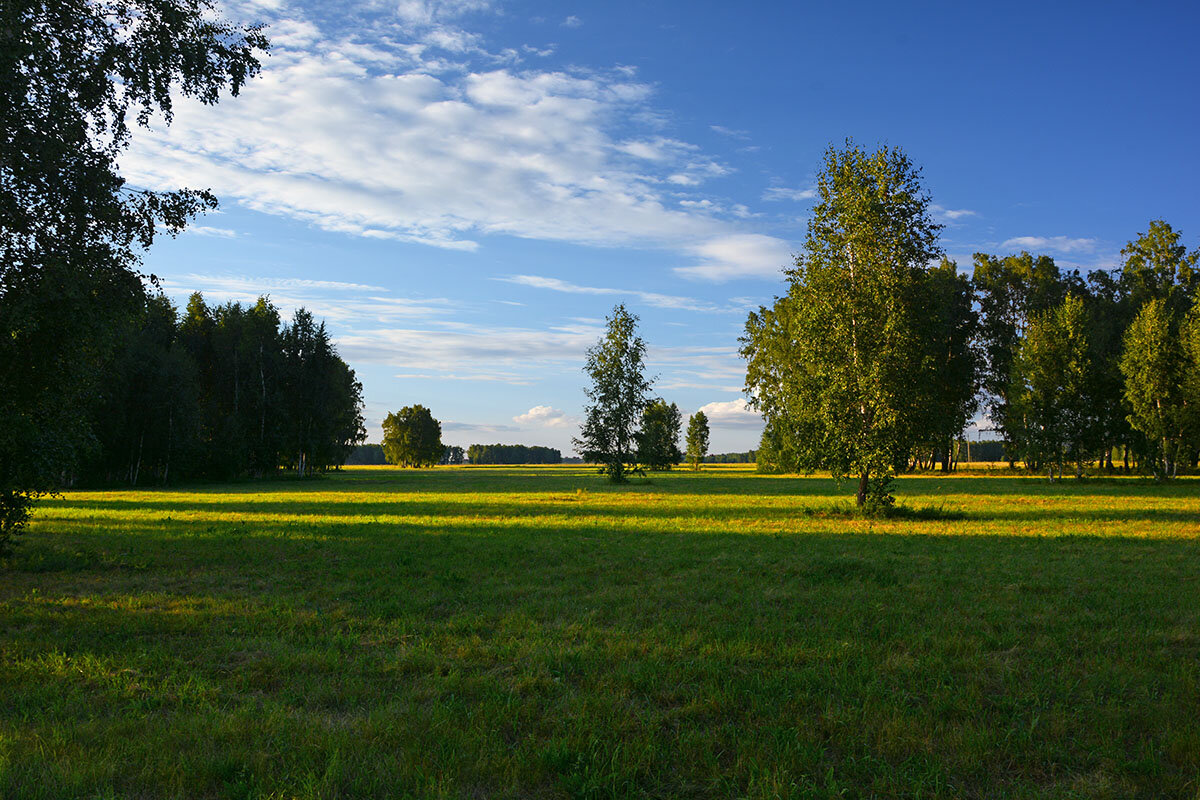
[533, 632]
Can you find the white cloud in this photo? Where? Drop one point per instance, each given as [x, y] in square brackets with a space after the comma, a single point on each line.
[206, 230]
[544, 416]
[1060, 244]
[732, 414]
[950, 214]
[379, 137]
[336, 301]
[572, 22]
[777, 193]
[519, 356]
[733, 133]
[744, 255]
[649, 298]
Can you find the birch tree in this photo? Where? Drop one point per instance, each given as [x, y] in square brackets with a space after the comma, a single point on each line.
[838, 361]
[618, 394]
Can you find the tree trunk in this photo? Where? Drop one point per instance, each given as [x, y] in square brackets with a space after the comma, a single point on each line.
[862, 489]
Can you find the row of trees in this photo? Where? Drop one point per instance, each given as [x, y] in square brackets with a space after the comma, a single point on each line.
[512, 454]
[881, 351]
[624, 429]
[222, 392]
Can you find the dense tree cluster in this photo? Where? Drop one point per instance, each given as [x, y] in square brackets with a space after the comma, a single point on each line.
[222, 392]
[413, 438]
[75, 76]
[658, 440]
[512, 454]
[875, 360]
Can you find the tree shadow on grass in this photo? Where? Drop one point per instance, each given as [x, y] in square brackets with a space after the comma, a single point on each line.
[499, 661]
[1106, 508]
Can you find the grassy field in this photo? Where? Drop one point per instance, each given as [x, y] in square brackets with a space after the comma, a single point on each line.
[532, 632]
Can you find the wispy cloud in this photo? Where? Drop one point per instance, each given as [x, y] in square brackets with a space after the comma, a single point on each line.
[572, 22]
[779, 193]
[208, 230]
[649, 298]
[732, 133]
[336, 301]
[1059, 244]
[950, 214]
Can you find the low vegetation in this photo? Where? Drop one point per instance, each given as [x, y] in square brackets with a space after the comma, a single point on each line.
[537, 632]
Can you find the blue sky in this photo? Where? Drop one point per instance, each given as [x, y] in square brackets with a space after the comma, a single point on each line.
[464, 189]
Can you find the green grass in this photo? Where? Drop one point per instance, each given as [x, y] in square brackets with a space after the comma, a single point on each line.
[535, 633]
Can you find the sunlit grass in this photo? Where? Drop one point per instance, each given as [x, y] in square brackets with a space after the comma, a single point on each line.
[516, 632]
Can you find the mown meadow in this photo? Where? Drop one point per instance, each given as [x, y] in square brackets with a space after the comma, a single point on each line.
[534, 632]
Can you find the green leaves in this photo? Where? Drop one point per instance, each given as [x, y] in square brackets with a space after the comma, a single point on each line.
[837, 365]
[658, 440]
[618, 395]
[1051, 412]
[697, 439]
[412, 437]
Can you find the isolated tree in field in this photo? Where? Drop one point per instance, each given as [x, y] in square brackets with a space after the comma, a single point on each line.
[1049, 388]
[836, 364]
[72, 73]
[658, 440]
[412, 438]
[697, 439]
[1153, 365]
[618, 394]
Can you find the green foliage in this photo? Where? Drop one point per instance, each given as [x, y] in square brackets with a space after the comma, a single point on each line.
[697, 439]
[1049, 407]
[412, 437]
[658, 439]
[837, 366]
[1009, 291]
[1189, 339]
[322, 400]
[453, 455]
[72, 74]
[946, 327]
[1153, 366]
[512, 454]
[618, 394]
[226, 392]
[1157, 266]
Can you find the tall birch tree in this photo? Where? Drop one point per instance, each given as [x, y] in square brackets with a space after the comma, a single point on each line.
[840, 364]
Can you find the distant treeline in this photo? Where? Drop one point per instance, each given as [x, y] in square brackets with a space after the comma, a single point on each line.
[747, 457]
[512, 454]
[222, 392]
[372, 454]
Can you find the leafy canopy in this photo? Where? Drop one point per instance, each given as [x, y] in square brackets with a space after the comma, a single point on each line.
[618, 394]
[412, 438]
[697, 439]
[835, 366]
[658, 440]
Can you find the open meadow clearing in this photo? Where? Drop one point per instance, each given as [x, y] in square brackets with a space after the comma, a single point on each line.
[535, 632]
